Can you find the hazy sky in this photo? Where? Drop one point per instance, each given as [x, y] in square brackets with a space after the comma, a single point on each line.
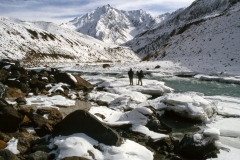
[59, 11]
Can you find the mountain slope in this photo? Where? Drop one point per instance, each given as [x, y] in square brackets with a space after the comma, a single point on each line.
[43, 42]
[114, 26]
[205, 33]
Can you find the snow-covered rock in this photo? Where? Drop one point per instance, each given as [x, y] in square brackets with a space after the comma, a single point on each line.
[12, 145]
[82, 145]
[135, 117]
[190, 105]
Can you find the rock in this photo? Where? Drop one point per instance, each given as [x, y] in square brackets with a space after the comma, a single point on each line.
[16, 84]
[35, 91]
[39, 155]
[197, 147]
[20, 70]
[41, 144]
[51, 79]
[25, 110]
[157, 66]
[81, 121]
[21, 100]
[165, 144]
[154, 123]
[4, 75]
[2, 144]
[75, 158]
[2, 90]
[13, 93]
[10, 119]
[35, 82]
[7, 155]
[106, 66]
[53, 114]
[41, 125]
[24, 79]
[74, 80]
[43, 73]
[23, 145]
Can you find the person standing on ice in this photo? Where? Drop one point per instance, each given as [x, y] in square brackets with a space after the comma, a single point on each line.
[140, 77]
[130, 75]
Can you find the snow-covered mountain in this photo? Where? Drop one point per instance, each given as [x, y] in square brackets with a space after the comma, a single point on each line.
[114, 26]
[205, 33]
[43, 42]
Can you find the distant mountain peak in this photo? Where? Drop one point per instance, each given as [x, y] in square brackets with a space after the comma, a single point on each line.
[112, 25]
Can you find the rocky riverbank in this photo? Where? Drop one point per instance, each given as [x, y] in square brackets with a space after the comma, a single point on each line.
[56, 115]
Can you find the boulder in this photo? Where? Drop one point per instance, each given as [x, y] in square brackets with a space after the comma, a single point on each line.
[3, 75]
[10, 119]
[81, 121]
[74, 81]
[5, 154]
[197, 147]
[13, 92]
[2, 90]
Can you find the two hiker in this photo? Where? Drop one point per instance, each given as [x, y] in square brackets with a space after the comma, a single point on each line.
[139, 75]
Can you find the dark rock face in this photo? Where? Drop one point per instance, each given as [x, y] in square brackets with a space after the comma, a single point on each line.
[80, 83]
[7, 155]
[190, 149]
[81, 121]
[10, 119]
[2, 90]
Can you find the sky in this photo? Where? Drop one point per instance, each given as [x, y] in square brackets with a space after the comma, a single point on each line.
[61, 11]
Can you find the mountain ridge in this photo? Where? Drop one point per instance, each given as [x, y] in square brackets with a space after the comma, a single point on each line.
[112, 25]
[47, 42]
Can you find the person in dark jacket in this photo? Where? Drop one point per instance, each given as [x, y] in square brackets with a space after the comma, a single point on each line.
[140, 77]
[130, 75]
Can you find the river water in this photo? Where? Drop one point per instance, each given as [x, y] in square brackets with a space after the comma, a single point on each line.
[179, 84]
